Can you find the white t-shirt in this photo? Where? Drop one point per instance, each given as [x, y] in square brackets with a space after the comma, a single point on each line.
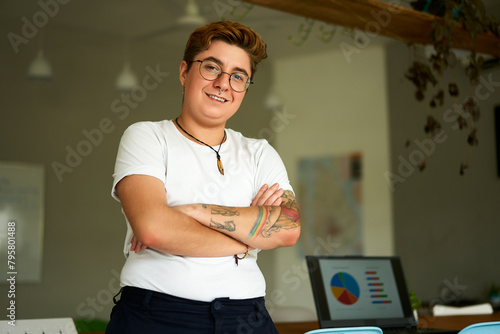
[190, 174]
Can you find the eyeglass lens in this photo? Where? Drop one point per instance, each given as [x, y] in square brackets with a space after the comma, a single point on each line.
[210, 70]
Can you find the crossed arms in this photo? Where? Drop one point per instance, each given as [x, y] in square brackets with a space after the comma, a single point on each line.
[272, 221]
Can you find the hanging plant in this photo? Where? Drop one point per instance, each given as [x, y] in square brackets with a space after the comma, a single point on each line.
[451, 13]
[453, 89]
[326, 32]
[420, 75]
[473, 70]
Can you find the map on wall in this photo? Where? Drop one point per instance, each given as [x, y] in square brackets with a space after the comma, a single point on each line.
[329, 194]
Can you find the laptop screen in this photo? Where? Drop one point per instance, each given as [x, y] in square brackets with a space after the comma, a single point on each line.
[360, 291]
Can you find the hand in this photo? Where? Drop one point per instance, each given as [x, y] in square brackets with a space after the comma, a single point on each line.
[137, 246]
[268, 196]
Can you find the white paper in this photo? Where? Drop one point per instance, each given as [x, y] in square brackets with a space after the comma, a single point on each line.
[441, 310]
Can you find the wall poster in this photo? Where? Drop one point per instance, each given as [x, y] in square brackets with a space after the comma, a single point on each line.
[329, 195]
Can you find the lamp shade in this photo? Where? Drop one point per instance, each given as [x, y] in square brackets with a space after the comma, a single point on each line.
[40, 68]
[192, 15]
[126, 79]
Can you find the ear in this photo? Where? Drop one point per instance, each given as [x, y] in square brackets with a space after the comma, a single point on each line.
[183, 72]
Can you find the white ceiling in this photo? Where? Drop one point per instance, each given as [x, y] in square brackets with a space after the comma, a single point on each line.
[131, 18]
[135, 19]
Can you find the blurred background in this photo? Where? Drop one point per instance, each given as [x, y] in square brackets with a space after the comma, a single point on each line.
[75, 74]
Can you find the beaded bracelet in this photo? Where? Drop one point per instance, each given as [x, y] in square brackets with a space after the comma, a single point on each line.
[236, 257]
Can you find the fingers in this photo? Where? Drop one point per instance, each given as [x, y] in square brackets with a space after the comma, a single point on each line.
[278, 201]
[268, 195]
[273, 195]
[133, 243]
[143, 247]
[259, 194]
[136, 246]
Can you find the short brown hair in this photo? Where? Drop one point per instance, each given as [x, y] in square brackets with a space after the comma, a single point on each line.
[230, 32]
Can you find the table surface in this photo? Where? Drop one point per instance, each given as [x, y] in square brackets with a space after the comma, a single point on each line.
[426, 321]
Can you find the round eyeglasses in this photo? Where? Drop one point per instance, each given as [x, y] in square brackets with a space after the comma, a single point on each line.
[211, 71]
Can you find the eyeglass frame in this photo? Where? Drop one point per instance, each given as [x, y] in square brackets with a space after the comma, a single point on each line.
[247, 84]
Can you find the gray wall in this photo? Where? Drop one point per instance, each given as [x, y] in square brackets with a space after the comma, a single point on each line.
[446, 225]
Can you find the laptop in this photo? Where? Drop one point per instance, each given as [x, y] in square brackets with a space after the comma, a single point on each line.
[363, 291]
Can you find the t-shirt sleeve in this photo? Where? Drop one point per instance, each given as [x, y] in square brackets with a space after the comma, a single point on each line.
[140, 152]
[271, 169]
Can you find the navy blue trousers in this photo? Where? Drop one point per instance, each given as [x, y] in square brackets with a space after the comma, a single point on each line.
[141, 311]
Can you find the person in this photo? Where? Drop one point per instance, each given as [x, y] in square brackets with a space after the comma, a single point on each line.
[201, 201]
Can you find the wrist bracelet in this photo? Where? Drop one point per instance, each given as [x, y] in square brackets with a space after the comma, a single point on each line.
[236, 257]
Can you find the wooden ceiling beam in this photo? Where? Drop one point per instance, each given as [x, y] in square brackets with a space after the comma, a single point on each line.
[387, 19]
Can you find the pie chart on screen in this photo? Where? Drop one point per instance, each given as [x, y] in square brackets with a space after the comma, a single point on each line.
[345, 288]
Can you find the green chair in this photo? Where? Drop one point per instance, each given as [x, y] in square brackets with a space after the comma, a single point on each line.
[347, 330]
[482, 328]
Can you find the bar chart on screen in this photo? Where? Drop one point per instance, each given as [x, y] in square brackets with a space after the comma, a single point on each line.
[376, 288]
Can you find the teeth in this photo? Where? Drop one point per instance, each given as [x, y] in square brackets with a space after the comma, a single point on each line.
[217, 98]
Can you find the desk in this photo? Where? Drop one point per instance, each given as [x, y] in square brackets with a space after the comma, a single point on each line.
[455, 322]
[427, 321]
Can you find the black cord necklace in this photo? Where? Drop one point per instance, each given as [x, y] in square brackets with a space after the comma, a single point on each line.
[219, 163]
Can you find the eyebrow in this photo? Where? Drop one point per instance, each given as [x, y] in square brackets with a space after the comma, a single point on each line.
[219, 62]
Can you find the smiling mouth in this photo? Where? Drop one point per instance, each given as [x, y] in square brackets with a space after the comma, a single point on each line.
[216, 98]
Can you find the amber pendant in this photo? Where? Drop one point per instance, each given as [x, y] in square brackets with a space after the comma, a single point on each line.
[220, 166]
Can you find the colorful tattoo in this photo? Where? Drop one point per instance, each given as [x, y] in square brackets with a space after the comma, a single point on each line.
[289, 216]
[260, 222]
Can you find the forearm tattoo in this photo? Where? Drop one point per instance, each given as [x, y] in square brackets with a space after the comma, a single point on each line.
[261, 221]
[228, 225]
[289, 218]
[270, 219]
[216, 210]
[224, 211]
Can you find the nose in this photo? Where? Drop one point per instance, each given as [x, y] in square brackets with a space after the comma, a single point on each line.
[222, 81]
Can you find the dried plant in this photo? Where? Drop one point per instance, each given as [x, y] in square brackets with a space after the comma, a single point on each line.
[432, 127]
[438, 99]
[451, 13]
[473, 70]
[453, 89]
[420, 75]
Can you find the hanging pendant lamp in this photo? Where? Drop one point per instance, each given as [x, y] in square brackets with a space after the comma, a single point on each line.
[126, 79]
[40, 69]
[192, 15]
